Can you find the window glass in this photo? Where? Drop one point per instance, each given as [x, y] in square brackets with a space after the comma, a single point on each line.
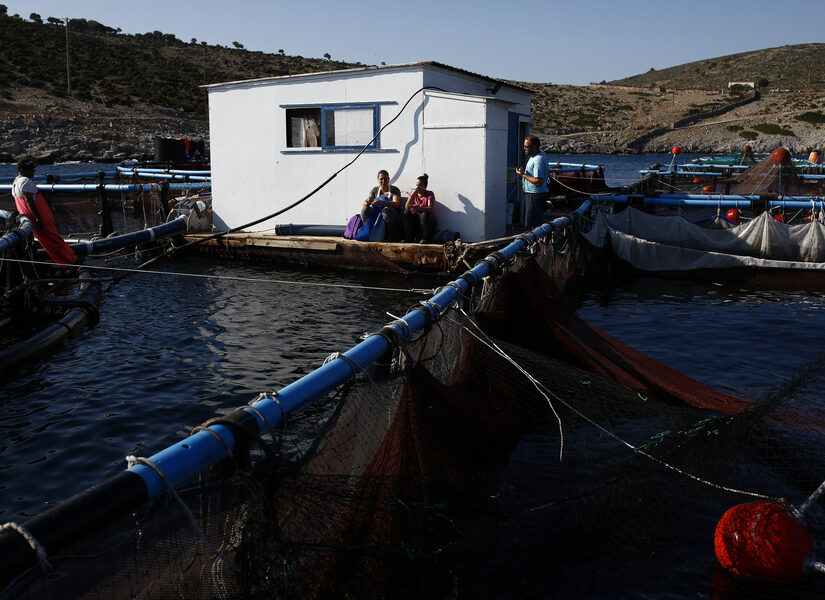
[331, 127]
[349, 127]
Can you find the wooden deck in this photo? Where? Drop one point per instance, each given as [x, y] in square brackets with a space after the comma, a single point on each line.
[338, 252]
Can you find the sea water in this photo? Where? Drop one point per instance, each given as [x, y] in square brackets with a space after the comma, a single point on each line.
[202, 337]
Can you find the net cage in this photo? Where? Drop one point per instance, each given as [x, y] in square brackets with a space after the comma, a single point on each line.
[773, 176]
[84, 214]
[508, 450]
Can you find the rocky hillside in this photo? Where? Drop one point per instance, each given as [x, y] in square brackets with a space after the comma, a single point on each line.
[799, 68]
[126, 89]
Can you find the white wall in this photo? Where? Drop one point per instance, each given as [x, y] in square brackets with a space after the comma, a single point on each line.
[252, 176]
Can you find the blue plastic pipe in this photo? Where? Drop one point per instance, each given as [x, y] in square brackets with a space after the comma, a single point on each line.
[714, 200]
[125, 169]
[196, 453]
[65, 176]
[142, 173]
[114, 187]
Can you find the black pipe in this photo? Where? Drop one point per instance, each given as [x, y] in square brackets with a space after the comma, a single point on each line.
[70, 325]
[56, 529]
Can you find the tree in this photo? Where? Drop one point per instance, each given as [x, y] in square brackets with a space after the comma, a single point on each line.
[327, 56]
[54, 21]
[763, 83]
[4, 10]
[36, 18]
[193, 41]
[238, 45]
[281, 51]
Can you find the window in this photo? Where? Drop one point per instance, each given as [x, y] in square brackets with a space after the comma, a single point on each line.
[332, 127]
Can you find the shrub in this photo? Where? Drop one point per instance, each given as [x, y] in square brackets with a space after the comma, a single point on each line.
[734, 128]
[773, 129]
[813, 117]
[748, 135]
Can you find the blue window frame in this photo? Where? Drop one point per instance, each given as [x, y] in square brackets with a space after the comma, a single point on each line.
[333, 127]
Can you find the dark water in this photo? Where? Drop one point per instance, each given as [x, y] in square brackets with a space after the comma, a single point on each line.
[172, 351]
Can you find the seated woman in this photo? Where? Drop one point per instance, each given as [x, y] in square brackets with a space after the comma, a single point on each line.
[385, 197]
[419, 220]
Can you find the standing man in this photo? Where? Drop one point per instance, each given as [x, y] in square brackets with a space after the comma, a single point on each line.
[30, 202]
[534, 180]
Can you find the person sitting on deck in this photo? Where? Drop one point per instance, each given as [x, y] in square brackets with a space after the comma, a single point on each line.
[387, 198]
[419, 221]
[30, 202]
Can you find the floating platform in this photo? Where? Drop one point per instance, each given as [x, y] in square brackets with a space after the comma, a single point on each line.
[331, 251]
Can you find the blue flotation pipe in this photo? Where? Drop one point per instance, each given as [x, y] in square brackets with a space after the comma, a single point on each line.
[127, 169]
[714, 200]
[96, 508]
[130, 239]
[162, 175]
[198, 452]
[113, 187]
[54, 178]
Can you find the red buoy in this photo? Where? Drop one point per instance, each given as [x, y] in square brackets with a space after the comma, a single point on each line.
[760, 539]
[676, 150]
[779, 217]
[746, 148]
[733, 215]
[697, 180]
[780, 156]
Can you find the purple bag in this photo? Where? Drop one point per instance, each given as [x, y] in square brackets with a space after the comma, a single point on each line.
[353, 225]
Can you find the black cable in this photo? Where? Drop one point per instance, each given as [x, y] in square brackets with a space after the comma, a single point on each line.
[297, 202]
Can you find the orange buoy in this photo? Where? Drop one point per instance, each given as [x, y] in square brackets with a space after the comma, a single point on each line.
[707, 189]
[780, 156]
[746, 148]
[733, 215]
[676, 150]
[814, 157]
[760, 539]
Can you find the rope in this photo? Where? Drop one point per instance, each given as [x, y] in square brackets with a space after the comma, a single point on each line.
[39, 550]
[132, 461]
[422, 291]
[636, 449]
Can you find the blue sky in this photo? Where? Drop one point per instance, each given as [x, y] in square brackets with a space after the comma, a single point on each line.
[545, 41]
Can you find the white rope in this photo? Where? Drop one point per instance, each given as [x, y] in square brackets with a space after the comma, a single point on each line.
[428, 292]
[532, 379]
[134, 460]
[39, 550]
[606, 431]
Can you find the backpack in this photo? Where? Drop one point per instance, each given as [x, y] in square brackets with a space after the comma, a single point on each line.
[363, 233]
[353, 225]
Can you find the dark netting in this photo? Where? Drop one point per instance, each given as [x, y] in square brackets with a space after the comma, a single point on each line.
[773, 176]
[466, 465]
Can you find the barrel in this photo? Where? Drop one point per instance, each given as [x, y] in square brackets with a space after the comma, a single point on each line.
[169, 150]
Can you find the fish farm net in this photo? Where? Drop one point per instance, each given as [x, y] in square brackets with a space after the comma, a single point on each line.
[776, 174]
[506, 452]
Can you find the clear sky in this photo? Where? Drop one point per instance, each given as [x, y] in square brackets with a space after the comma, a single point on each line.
[539, 41]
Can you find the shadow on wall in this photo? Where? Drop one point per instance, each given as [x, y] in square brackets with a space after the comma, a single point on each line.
[451, 222]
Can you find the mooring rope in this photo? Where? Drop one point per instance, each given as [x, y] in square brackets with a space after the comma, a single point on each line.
[39, 550]
[636, 449]
[423, 291]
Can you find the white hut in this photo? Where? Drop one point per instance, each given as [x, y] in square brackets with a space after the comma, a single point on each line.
[274, 140]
